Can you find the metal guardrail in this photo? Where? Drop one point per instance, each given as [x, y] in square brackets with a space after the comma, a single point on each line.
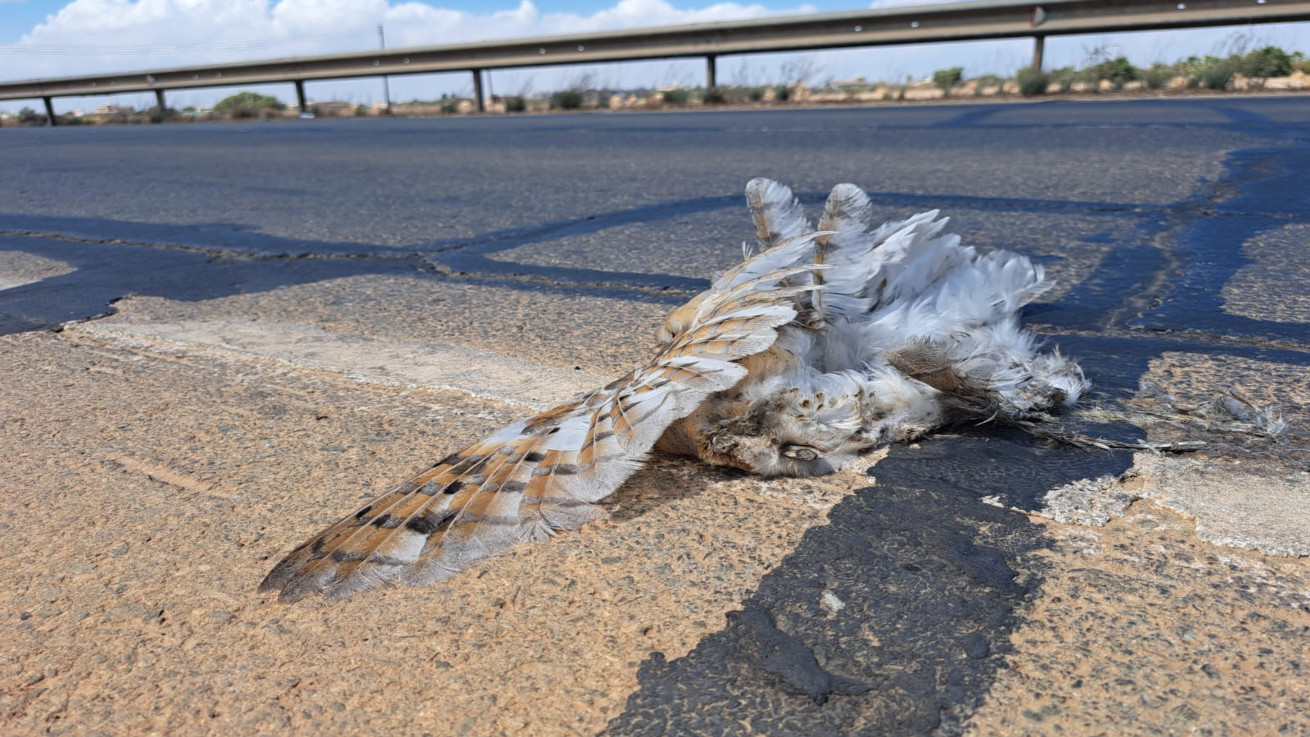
[988, 19]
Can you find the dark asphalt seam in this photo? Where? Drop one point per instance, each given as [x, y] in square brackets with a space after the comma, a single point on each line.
[513, 237]
[1153, 289]
[470, 256]
[1135, 285]
[1176, 340]
[1210, 249]
[215, 252]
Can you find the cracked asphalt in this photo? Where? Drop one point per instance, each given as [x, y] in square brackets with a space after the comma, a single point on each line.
[216, 339]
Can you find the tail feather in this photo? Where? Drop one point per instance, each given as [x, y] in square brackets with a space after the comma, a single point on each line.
[848, 250]
[777, 213]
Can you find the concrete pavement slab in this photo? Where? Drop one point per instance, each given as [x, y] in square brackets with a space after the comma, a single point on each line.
[603, 333]
[477, 373]
[1272, 285]
[18, 268]
[143, 511]
[1142, 629]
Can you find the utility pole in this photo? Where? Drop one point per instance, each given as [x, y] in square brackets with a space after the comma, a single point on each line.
[386, 84]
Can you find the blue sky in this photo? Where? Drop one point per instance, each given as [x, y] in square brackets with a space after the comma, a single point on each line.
[52, 38]
[17, 17]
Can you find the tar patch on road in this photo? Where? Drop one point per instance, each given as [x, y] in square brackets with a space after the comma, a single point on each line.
[928, 582]
[105, 273]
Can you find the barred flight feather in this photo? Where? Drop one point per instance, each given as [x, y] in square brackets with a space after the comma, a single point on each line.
[540, 475]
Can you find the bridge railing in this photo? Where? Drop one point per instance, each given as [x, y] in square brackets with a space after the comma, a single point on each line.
[987, 19]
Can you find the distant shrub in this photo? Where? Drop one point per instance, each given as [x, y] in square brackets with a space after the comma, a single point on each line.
[449, 106]
[247, 104]
[714, 96]
[782, 94]
[1270, 61]
[1157, 77]
[755, 94]
[1216, 76]
[566, 100]
[947, 78]
[1032, 82]
[1064, 76]
[1117, 71]
[676, 96]
[515, 105]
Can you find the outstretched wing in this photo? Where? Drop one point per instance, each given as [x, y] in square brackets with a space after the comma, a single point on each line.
[541, 474]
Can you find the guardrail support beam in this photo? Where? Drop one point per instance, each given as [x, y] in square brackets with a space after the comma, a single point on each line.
[711, 73]
[300, 96]
[50, 112]
[159, 102]
[477, 90]
[1039, 51]
[972, 20]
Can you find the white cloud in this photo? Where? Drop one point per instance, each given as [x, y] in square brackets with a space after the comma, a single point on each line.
[97, 36]
[900, 3]
[207, 23]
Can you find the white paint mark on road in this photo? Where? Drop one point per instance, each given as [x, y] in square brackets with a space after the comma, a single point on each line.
[433, 364]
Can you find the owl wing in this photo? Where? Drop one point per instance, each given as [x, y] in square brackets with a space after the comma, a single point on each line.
[541, 474]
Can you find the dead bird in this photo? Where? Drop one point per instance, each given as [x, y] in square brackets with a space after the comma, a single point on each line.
[825, 342]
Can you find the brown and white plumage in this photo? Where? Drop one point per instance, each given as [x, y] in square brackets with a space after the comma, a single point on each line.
[541, 474]
[905, 330]
[823, 344]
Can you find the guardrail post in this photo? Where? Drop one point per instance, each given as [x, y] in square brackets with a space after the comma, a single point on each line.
[711, 75]
[300, 96]
[1039, 50]
[50, 112]
[477, 90]
[159, 101]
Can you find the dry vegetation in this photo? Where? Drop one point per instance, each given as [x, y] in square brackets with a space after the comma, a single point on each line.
[1239, 70]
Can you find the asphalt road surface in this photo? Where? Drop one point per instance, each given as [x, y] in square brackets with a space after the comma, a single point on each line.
[218, 338]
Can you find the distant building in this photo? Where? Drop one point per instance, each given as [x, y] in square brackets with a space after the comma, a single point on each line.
[332, 108]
